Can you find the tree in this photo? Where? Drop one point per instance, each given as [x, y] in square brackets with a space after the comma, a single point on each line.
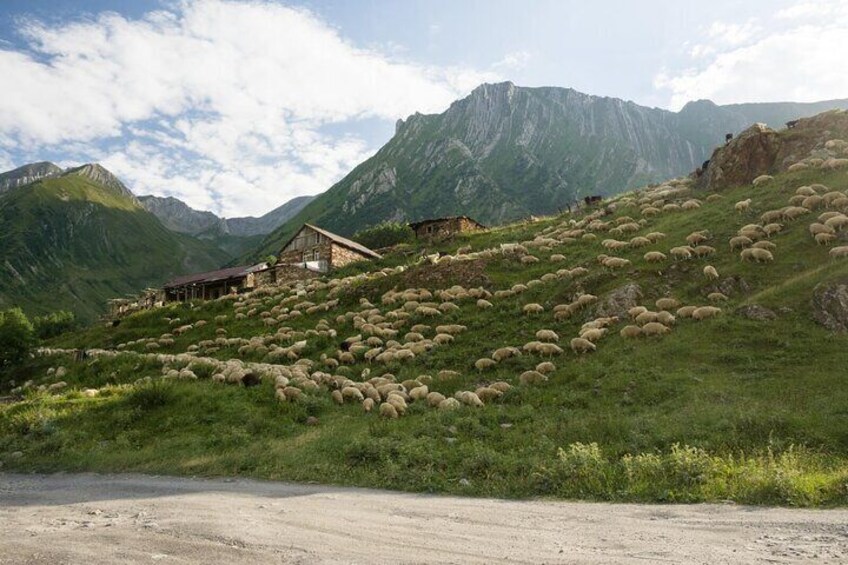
[53, 324]
[17, 337]
[385, 234]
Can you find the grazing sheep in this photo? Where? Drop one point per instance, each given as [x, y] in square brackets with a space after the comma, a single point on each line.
[368, 404]
[419, 392]
[655, 328]
[825, 238]
[505, 353]
[716, 297]
[546, 367]
[765, 245]
[483, 303]
[352, 393]
[704, 312]
[581, 345]
[615, 263]
[388, 410]
[839, 252]
[630, 331]
[666, 318]
[636, 310]
[547, 335]
[484, 363]
[740, 241]
[743, 206]
[533, 308]
[686, 311]
[762, 179]
[532, 378]
[449, 404]
[654, 257]
[593, 334]
[710, 272]
[757, 255]
[714, 197]
[337, 397]
[469, 398]
[696, 238]
[667, 303]
[646, 317]
[488, 394]
[681, 252]
[655, 236]
[817, 228]
[434, 399]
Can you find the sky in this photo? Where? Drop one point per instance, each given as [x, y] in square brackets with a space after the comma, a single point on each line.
[237, 106]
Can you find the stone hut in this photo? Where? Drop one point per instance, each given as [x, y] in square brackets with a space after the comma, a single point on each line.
[317, 250]
[213, 284]
[445, 227]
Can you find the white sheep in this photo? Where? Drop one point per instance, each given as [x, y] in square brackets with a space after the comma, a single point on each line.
[532, 378]
[711, 273]
[547, 335]
[582, 345]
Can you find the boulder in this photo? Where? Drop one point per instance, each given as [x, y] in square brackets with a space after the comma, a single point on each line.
[830, 306]
[756, 312]
[750, 154]
[619, 301]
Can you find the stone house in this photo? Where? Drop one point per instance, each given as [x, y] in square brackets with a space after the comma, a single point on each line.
[445, 227]
[212, 284]
[317, 250]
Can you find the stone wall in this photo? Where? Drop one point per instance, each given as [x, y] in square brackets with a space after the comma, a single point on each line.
[445, 227]
[341, 256]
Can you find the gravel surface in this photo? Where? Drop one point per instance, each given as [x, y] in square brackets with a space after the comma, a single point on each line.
[89, 518]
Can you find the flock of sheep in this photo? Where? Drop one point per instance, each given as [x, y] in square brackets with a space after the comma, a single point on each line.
[352, 355]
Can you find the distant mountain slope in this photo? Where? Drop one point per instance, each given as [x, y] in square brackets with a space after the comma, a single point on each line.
[505, 152]
[27, 174]
[75, 240]
[178, 216]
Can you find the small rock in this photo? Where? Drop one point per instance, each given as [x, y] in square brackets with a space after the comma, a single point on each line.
[619, 301]
[506, 425]
[16, 454]
[312, 421]
[756, 312]
[61, 372]
[464, 482]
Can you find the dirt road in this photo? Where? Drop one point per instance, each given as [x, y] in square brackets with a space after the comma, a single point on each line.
[91, 519]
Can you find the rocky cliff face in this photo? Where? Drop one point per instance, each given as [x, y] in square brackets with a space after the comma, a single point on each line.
[818, 141]
[505, 152]
[101, 176]
[27, 174]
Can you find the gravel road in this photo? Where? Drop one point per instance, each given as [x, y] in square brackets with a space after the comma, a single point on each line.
[88, 518]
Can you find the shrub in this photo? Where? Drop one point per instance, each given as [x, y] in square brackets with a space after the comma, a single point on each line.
[54, 324]
[385, 234]
[149, 396]
[17, 336]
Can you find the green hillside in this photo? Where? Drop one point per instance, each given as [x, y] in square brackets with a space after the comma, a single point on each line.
[72, 243]
[748, 405]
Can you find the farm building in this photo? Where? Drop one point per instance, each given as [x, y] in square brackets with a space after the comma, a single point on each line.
[445, 227]
[213, 284]
[318, 250]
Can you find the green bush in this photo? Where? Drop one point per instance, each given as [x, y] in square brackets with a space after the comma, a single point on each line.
[385, 234]
[54, 324]
[17, 336]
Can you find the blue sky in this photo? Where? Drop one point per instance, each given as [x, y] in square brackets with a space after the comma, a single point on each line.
[237, 106]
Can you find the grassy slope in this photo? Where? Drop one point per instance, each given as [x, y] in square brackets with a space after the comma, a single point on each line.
[761, 405]
[77, 244]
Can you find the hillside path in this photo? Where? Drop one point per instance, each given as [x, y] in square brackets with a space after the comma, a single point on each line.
[89, 518]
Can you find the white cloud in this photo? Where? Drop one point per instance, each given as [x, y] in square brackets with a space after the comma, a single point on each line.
[513, 61]
[798, 55]
[217, 102]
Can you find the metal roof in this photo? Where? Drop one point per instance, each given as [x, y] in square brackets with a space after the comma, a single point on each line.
[214, 276]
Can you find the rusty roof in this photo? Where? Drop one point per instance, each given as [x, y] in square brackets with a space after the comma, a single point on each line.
[359, 248]
[214, 276]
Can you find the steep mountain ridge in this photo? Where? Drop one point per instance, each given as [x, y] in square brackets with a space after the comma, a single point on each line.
[505, 152]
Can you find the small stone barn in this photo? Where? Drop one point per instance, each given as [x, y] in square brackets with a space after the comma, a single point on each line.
[213, 284]
[445, 227]
[318, 250]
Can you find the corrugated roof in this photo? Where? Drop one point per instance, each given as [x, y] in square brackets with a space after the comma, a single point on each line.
[415, 225]
[214, 276]
[338, 239]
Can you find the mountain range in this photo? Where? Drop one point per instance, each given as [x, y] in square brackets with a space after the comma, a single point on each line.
[506, 152]
[71, 239]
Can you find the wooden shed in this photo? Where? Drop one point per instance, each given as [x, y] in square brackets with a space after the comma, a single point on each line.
[212, 284]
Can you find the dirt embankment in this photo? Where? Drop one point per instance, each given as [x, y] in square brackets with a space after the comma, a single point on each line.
[139, 519]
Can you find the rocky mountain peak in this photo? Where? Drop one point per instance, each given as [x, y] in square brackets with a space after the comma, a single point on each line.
[99, 174]
[27, 174]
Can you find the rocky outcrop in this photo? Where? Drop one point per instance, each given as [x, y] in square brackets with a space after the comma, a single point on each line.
[27, 174]
[756, 312]
[103, 177]
[619, 301]
[750, 154]
[830, 306]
